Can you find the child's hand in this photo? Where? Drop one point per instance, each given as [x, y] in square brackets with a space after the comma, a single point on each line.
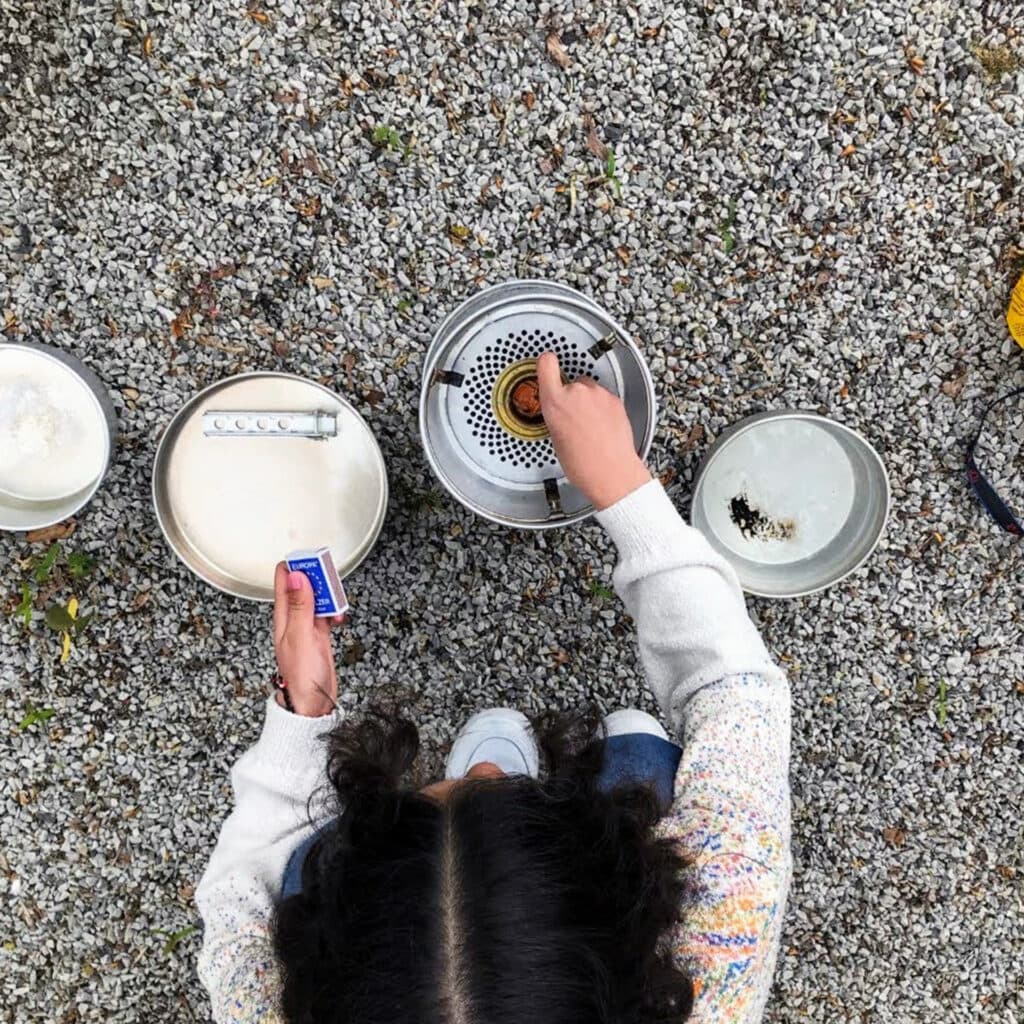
[591, 434]
[302, 643]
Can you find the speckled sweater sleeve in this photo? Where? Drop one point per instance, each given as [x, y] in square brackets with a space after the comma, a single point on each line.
[730, 707]
[273, 782]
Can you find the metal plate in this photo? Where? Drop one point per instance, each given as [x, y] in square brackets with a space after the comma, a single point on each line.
[510, 479]
[231, 507]
[793, 500]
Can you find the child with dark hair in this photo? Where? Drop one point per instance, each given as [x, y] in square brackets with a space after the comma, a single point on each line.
[635, 879]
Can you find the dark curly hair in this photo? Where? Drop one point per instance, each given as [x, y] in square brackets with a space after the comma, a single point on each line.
[516, 901]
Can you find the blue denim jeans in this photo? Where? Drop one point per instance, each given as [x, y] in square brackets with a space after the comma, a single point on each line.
[632, 758]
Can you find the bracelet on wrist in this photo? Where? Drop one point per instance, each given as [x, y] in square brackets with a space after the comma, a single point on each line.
[278, 683]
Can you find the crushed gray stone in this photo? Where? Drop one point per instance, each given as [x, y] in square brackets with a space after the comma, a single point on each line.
[818, 206]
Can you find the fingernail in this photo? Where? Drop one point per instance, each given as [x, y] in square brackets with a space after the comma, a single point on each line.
[295, 581]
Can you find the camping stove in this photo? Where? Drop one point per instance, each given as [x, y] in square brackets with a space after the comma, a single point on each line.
[480, 419]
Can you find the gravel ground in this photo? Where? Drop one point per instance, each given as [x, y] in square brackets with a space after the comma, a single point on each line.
[818, 205]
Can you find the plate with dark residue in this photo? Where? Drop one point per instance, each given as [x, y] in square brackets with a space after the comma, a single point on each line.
[795, 501]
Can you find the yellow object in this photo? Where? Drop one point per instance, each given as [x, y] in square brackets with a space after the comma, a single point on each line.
[65, 646]
[1015, 314]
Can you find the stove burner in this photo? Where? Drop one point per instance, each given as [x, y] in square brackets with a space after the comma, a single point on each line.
[481, 422]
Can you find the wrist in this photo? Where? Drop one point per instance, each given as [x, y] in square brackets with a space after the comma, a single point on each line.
[618, 484]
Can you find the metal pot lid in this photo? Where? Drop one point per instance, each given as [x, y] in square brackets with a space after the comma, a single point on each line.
[262, 464]
[479, 423]
[795, 501]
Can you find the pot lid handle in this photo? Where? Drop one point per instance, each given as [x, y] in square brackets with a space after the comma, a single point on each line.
[317, 424]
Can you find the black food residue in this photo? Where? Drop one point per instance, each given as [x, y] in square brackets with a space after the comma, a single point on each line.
[755, 525]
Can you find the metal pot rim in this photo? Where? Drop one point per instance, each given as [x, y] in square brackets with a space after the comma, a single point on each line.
[477, 306]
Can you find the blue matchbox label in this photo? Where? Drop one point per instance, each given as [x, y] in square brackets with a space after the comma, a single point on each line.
[313, 570]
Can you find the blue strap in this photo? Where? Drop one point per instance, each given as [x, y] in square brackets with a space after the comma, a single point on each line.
[983, 490]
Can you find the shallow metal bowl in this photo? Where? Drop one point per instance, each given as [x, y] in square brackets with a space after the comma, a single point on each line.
[793, 500]
[20, 514]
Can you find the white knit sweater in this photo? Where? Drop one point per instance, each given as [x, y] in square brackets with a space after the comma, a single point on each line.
[729, 706]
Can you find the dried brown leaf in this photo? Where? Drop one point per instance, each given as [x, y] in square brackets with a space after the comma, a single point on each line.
[281, 348]
[181, 323]
[529, 100]
[894, 836]
[624, 255]
[322, 282]
[354, 654]
[954, 385]
[348, 362]
[56, 532]
[147, 46]
[849, 150]
[141, 599]
[694, 438]
[594, 144]
[374, 397]
[667, 476]
[557, 52]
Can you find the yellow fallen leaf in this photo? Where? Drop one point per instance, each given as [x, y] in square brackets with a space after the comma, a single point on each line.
[73, 607]
[323, 282]
[65, 650]
[272, 180]
[147, 45]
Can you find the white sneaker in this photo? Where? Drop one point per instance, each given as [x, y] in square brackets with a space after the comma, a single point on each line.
[500, 735]
[632, 720]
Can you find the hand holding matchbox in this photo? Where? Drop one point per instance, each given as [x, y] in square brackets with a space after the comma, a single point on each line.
[317, 566]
